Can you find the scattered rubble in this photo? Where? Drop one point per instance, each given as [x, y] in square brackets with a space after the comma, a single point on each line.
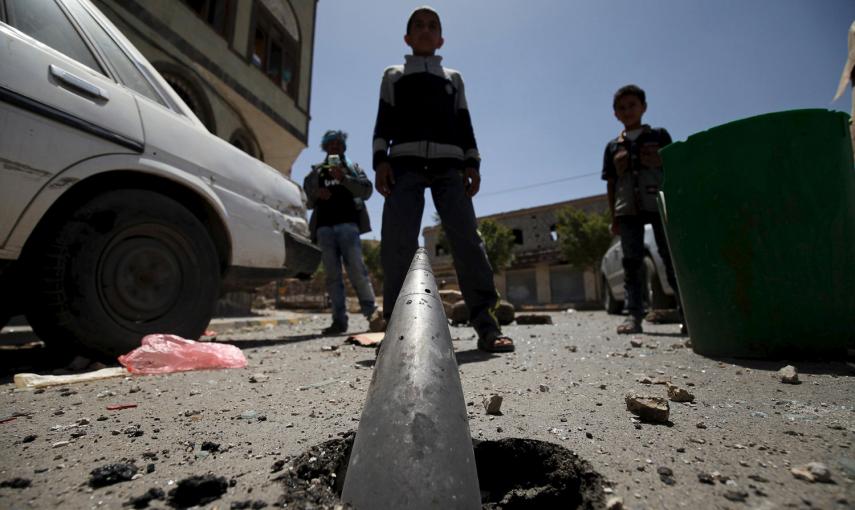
[666, 475]
[706, 478]
[16, 483]
[812, 472]
[737, 495]
[651, 409]
[450, 296]
[789, 375]
[112, 474]
[493, 404]
[459, 313]
[376, 323]
[614, 503]
[505, 313]
[250, 504]
[677, 394]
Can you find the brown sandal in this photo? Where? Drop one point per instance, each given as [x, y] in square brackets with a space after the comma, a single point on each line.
[496, 342]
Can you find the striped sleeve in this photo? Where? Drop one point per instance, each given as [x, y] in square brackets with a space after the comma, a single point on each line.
[471, 156]
[384, 125]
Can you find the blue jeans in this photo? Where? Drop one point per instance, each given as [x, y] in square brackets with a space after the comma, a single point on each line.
[632, 244]
[402, 217]
[341, 243]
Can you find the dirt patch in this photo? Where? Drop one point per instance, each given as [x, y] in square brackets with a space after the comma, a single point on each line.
[198, 490]
[316, 477]
[513, 473]
[525, 473]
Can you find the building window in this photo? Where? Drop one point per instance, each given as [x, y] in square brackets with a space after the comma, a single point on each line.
[274, 51]
[219, 14]
[518, 236]
[553, 232]
[190, 91]
[243, 140]
[440, 250]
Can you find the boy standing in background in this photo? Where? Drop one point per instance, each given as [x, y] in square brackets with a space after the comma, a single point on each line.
[633, 169]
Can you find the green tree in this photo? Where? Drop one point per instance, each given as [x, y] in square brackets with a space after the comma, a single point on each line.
[499, 243]
[583, 237]
[371, 255]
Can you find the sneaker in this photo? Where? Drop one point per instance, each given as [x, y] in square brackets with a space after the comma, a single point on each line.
[336, 328]
[630, 326]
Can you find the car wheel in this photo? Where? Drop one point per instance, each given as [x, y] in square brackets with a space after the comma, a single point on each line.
[653, 292]
[611, 305]
[126, 264]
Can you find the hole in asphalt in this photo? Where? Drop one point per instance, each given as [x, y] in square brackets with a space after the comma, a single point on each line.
[514, 473]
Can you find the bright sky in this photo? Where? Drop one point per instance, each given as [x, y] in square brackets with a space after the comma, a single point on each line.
[540, 75]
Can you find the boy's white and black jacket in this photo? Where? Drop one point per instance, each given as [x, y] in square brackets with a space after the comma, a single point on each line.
[423, 118]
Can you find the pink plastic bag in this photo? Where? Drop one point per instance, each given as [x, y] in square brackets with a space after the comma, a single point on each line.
[162, 354]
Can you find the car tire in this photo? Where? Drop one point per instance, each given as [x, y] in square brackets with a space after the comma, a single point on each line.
[612, 306]
[126, 264]
[653, 291]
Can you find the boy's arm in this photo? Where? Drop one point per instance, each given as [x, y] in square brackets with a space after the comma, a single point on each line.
[384, 132]
[471, 156]
[384, 125]
[610, 176]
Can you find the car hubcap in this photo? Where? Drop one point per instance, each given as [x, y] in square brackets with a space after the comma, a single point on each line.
[140, 277]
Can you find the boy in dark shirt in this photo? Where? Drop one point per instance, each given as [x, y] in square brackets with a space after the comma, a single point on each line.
[633, 169]
[423, 139]
[336, 191]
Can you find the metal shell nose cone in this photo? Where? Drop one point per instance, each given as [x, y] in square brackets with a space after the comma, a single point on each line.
[413, 449]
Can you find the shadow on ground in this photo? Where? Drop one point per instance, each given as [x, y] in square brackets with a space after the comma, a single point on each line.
[838, 368]
[267, 342]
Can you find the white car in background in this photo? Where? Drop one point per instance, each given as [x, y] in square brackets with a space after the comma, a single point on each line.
[657, 292]
[120, 214]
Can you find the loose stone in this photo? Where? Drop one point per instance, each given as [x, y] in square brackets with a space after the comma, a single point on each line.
[654, 409]
[789, 375]
[493, 404]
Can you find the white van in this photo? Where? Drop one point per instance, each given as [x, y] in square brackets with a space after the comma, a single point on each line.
[120, 214]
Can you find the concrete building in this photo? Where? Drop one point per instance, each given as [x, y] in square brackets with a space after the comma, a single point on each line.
[243, 66]
[538, 277]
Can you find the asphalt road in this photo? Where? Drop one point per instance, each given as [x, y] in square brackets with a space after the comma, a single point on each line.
[734, 447]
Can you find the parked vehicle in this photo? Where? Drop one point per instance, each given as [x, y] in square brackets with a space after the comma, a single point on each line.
[657, 291]
[120, 214]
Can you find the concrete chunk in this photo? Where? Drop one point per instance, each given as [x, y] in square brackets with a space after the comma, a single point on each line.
[652, 409]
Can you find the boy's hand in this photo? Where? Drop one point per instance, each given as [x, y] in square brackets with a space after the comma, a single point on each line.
[337, 173]
[621, 161]
[471, 181]
[384, 179]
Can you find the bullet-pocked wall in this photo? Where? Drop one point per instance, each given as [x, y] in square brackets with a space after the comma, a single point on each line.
[243, 66]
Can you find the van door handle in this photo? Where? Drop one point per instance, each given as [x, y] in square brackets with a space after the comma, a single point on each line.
[78, 85]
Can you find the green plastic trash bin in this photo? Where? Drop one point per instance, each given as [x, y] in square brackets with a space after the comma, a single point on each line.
[760, 219]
